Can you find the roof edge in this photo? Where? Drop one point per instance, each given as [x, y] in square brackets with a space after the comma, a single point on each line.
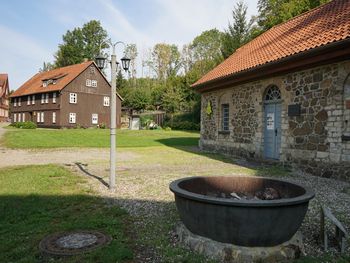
[342, 46]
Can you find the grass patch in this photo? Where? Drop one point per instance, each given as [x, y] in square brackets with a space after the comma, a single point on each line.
[39, 200]
[45, 138]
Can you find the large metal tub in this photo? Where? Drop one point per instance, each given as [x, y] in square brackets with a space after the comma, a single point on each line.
[251, 223]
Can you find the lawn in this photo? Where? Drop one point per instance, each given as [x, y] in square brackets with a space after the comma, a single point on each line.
[39, 200]
[46, 138]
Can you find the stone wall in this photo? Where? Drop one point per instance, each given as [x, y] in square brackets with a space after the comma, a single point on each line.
[316, 141]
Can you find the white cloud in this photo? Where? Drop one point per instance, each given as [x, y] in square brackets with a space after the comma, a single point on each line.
[21, 56]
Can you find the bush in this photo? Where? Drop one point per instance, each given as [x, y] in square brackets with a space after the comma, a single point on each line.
[24, 125]
[183, 125]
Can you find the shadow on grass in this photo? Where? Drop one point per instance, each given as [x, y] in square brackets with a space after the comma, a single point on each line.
[190, 145]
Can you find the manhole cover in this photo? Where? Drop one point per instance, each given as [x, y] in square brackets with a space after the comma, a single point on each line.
[72, 243]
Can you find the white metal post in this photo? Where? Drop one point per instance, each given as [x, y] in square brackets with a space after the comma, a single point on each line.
[113, 122]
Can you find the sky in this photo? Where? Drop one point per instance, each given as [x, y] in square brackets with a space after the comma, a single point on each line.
[31, 30]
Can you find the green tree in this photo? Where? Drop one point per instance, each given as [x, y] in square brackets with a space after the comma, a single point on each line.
[274, 12]
[81, 43]
[238, 33]
[131, 52]
[165, 60]
[206, 50]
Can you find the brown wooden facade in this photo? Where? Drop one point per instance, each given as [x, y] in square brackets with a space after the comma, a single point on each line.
[4, 98]
[76, 105]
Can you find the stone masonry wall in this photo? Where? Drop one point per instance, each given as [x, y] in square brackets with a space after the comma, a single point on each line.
[312, 141]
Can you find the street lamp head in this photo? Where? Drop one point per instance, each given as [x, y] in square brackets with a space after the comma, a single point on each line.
[100, 61]
[125, 63]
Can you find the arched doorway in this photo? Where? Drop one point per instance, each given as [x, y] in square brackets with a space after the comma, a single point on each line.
[272, 122]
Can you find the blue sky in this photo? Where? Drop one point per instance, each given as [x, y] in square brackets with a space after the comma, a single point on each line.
[31, 30]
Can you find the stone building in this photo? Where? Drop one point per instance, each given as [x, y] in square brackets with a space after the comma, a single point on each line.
[72, 96]
[285, 95]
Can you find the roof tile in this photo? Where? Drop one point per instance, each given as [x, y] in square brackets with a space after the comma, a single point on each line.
[320, 26]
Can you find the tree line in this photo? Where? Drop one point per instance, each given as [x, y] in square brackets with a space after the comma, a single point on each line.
[167, 70]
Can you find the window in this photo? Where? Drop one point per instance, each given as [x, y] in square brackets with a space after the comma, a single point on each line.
[28, 100]
[19, 117]
[47, 98]
[44, 84]
[19, 101]
[42, 117]
[54, 117]
[23, 116]
[88, 83]
[15, 102]
[94, 118]
[33, 99]
[14, 117]
[42, 98]
[92, 69]
[94, 83]
[106, 101]
[72, 98]
[72, 117]
[38, 117]
[54, 97]
[225, 117]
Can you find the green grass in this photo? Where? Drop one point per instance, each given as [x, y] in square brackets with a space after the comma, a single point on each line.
[45, 138]
[39, 200]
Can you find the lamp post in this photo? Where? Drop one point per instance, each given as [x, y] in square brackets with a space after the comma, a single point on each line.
[101, 61]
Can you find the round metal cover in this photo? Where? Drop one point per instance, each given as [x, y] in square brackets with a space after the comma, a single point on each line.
[72, 243]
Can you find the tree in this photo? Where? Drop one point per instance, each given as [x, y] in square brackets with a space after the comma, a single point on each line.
[273, 12]
[238, 33]
[81, 43]
[165, 60]
[203, 54]
[131, 52]
[47, 66]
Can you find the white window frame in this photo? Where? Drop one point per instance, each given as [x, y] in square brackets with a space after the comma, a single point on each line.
[92, 69]
[23, 117]
[94, 83]
[28, 100]
[19, 101]
[19, 117]
[54, 117]
[44, 84]
[88, 83]
[15, 102]
[106, 101]
[72, 117]
[54, 97]
[73, 98]
[15, 117]
[47, 98]
[94, 118]
[42, 119]
[42, 98]
[33, 99]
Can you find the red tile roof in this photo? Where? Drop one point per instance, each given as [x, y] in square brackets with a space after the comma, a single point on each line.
[66, 74]
[318, 27]
[3, 84]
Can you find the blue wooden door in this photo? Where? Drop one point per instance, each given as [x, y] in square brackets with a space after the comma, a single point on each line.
[272, 131]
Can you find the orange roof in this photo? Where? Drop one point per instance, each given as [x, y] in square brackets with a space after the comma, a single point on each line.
[318, 27]
[3, 78]
[64, 75]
